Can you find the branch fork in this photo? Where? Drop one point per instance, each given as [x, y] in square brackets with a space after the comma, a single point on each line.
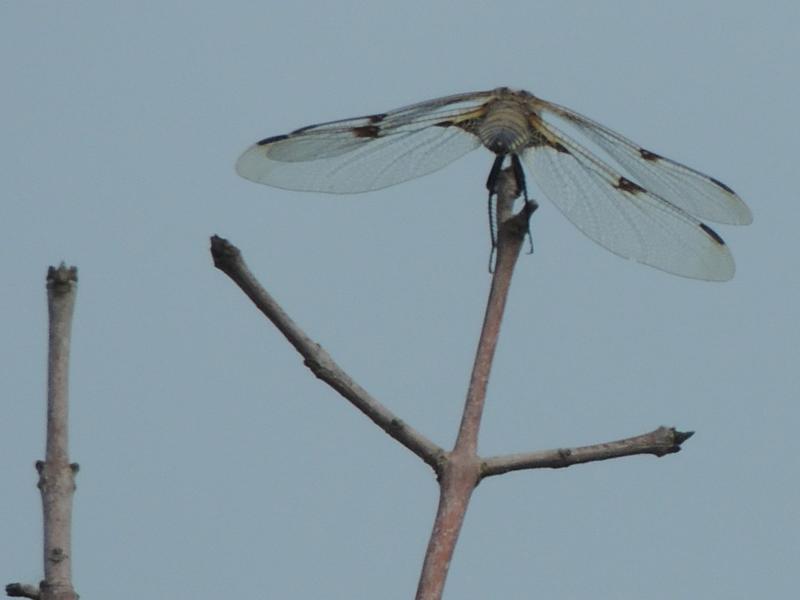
[461, 469]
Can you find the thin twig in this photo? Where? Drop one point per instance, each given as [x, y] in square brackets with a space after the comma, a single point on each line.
[660, 442]
[228, 259]
[461, 472]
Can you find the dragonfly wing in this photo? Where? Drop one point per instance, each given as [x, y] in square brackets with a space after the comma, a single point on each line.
[622, 216]
[693, 191]
[366, 153]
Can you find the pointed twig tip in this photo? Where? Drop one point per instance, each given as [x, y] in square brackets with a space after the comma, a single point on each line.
[222, 251]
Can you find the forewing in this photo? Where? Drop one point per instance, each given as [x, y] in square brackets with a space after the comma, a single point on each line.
[622, 216]
[366, 153]
[694, 192]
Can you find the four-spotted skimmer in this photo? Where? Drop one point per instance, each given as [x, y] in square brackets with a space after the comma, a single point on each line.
[651, 214]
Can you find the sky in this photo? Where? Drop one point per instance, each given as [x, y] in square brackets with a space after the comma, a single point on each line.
[214, 464]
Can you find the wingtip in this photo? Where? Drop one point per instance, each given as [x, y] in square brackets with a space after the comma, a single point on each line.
[247, 162]
[747, 215]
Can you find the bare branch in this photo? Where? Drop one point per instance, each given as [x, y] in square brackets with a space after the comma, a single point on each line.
[56, 474]
[510, 236]
[228, 259]
[662, 441]
[461, 472]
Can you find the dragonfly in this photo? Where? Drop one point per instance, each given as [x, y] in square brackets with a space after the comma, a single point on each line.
[630, 200]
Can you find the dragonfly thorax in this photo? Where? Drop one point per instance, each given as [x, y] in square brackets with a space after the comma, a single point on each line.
[505, 128]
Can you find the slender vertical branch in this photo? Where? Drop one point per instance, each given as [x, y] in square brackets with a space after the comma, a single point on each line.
[461, 471]
[510, 235]
[56, 474]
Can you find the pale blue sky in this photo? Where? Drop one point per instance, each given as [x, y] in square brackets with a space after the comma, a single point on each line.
[213, 464]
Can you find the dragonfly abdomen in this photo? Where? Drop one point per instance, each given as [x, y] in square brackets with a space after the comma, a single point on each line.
[505, 129]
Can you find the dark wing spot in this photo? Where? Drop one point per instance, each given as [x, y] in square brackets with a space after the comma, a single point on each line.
[712, 234]
[377, 118]
[270, 140]
[723, 186]
[626, 185]
[367, 131]
[647, 155]
[443, 124]
[559, 147]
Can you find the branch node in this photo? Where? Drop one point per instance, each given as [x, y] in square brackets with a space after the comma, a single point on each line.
[61, 279]
[57, 555]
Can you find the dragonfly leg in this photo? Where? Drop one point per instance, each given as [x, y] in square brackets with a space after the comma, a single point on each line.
[491, 185]
[530, 204]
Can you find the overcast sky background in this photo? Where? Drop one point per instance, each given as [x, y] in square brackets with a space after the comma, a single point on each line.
[214, 465]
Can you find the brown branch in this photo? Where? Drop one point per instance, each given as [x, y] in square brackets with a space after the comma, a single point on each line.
[461, 472]
[228, 259]
[662, 441]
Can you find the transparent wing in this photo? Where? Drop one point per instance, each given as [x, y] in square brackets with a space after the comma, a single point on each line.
[622, 216]
[694, 192]
[366, 153]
